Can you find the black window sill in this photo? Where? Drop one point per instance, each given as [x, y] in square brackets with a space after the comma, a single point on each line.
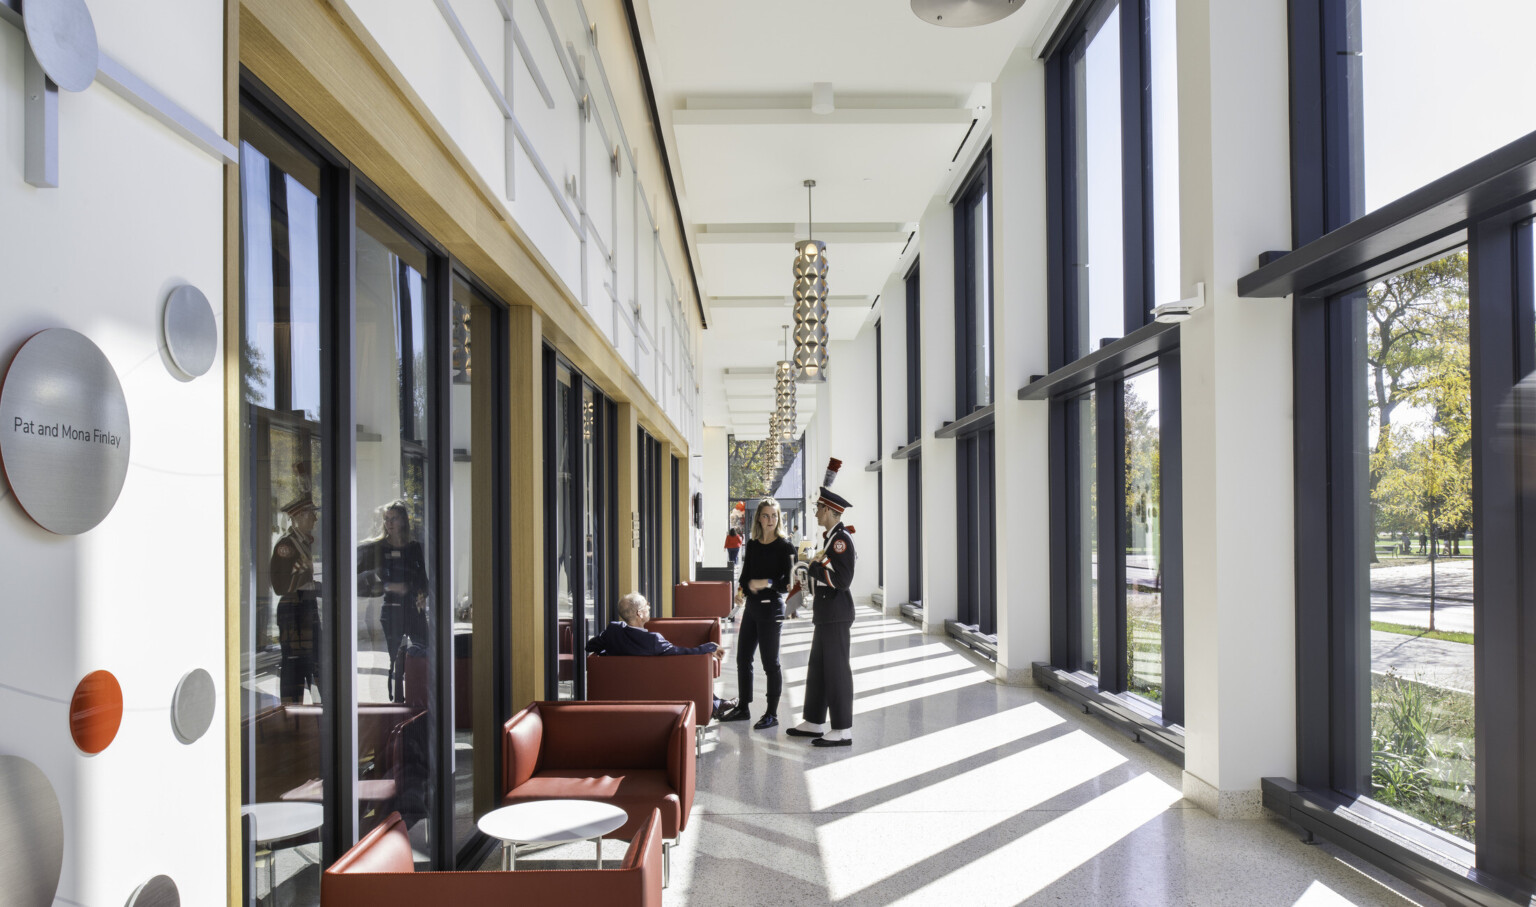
[1441, 865]
[978, 421]
[912, 611]
[873, 466]
[972, 637]
[1109, 361]
[908, 451]
[1132, 715]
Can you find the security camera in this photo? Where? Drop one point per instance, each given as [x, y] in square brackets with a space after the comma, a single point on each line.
[1174, 312]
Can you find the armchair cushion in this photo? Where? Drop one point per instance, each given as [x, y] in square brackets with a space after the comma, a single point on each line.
[654, 677]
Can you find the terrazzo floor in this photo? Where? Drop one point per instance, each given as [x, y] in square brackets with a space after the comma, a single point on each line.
[962, 791]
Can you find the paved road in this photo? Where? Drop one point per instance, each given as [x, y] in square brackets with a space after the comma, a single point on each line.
[1431, 661]
[1400, 595]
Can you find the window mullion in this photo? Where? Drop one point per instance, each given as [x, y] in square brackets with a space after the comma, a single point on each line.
[1110, 437]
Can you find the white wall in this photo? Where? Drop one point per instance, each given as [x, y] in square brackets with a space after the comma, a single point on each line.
[851, 420]
[1239, 607]
[1019, 330]
[941, 574]
[717, 491]
[138, 212]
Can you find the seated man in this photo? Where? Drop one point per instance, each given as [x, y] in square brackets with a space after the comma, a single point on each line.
[628, 636]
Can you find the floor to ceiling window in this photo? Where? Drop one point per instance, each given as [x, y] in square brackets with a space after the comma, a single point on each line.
[648, 472]
[975, 441]
[879, 465]
[356, 580]
[913, 455]
[579, 506]
[1114, 385]
[1414, 504]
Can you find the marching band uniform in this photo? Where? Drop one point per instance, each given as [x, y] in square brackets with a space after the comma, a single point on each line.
[829, 676]
[292, 572]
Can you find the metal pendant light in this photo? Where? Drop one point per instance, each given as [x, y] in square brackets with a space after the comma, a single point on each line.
[810, 304]
[784, 393]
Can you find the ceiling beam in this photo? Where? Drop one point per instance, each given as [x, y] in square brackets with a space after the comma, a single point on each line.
[876, 116]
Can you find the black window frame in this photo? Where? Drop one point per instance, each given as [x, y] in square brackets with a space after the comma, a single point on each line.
[1340, 248]
[1075, 370]
[879, 458]
[914, 303]
[343, 187]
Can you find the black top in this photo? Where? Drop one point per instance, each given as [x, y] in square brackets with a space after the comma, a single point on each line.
[771, 561]
[832, 578]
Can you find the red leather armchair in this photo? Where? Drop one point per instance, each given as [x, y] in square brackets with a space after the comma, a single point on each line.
[663, 678]
[702, 599]
[635, 755]
[379, 872]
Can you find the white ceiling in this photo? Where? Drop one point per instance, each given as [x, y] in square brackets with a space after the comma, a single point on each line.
[733, 82]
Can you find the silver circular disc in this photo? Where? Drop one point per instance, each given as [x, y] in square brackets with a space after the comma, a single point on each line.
[192, 706]
[31, 835]
[159, 891]
[63, 38]
[191, 333]
[63, 431]
[964, 13]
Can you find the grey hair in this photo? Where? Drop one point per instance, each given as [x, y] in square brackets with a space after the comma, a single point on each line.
[629, 604]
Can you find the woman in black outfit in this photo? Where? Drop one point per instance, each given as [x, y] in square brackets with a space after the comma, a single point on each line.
[392, 565]
[764, 581]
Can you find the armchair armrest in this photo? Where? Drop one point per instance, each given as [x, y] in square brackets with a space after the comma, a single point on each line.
[686, 632]
[522, 739]
[682, 761]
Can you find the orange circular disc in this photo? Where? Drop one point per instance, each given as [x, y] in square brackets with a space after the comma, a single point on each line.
[96, 711]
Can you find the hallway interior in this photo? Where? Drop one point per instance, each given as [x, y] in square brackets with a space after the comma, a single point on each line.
[961, 790]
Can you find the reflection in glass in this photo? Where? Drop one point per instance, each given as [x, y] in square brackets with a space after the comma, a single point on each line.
[470, 426]
[1164, 78]
[1143, 548]
[589, 524]
[1419, 552]
[396, 651]
[1087, 531]
[283, 574]
[1100, 239]
[981, 232]
[564, 487]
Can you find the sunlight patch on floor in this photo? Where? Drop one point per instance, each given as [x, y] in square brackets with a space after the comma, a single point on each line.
[1320, 895]
[864, 677]
[1026, 865]
[870, 702]
[846, 779]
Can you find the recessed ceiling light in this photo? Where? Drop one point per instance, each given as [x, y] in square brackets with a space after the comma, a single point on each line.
[964, 13]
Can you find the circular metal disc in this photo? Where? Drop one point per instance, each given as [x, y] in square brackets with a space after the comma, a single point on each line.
[191, 333]
[63, 38]
[31, 835]
[63, 431]
[159, 891]
[192, 706]
[964, 13]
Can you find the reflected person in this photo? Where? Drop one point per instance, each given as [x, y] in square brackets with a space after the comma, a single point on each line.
[392, 564]
[292, 574]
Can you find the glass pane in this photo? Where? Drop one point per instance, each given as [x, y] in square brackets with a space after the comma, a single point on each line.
[281, 630]
[1165, 152]
[982, 231]
[471, 427]
[1100, 240]
[1086, 410]
[1420, 551]
[1143, 538]
[590, 476]
[1417, 59]
[565, 615]
[396, 655]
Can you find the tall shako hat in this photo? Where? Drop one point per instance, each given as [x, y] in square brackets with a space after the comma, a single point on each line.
[299, 505]
[833, 500]
[833, 465]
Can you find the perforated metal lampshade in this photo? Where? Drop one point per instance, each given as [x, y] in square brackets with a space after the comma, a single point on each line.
[810, 311]
[784, 399]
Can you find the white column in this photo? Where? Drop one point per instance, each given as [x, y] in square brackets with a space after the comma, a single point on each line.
[717, 491]
[893, 362]
[1020, 350]
[1239, 671]
[940, 525]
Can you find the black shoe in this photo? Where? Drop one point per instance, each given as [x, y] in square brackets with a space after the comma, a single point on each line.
[796, 732]
[725, 706]
[736, 713]
[846, 741]
[767, 721]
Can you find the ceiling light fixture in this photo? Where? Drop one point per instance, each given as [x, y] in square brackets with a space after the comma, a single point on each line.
[784, 393]
[964, 13]
[810, 303]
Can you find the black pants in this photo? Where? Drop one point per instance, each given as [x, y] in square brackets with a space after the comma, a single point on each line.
[759, 629]
[829, 676]
[392, 617]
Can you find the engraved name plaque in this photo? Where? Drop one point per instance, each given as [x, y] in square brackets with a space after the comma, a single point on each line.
[63, 431]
